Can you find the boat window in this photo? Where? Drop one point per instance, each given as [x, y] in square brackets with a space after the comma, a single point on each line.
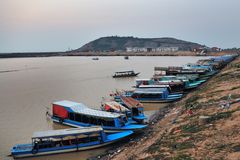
[85, 119]
[134, 111]
[149, 95]
[87, 139]
[109, 122]
[124, 119]
[93, 120]
[78, 117]
[45, 144]
[71, 116]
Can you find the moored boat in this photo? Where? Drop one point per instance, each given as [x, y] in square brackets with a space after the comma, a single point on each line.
[95, 58]
[77, 114]
[170, 82]
[137, 109]
[113, 106]
[66, 140]
[151, 95]
[173, 70]
[126, 57]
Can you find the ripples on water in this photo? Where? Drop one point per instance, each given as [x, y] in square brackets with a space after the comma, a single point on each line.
[29, 85]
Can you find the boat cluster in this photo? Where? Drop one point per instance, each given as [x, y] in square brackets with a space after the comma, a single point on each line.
[171, 83]
[121, 116]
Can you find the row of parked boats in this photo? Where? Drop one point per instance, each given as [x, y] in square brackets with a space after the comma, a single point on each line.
[171, 83]
[121, 116]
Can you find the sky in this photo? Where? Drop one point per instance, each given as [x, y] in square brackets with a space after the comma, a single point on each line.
[57, 25]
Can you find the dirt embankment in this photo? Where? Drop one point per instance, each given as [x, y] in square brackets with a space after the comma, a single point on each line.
[200, 126]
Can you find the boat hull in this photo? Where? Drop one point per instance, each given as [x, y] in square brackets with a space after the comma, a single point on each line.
[132, 127]
[122, 76]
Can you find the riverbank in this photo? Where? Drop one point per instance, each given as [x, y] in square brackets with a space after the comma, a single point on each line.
[177, 53]
[51, 54]
[200, 126]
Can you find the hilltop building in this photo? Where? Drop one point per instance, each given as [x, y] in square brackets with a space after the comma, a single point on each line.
[149, 49]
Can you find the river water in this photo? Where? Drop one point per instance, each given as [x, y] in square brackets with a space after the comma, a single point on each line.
[28, 86]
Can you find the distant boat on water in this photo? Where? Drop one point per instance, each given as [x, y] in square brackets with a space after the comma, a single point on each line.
[126, 57]
[125, 74]
[95, 58]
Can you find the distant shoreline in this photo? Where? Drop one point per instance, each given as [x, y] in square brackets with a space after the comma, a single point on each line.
[52, 54]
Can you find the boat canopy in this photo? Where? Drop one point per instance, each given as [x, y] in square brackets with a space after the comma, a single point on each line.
[143, 79]
[169, 78]
[131, 102]
[116, 106]
[82, 109]
[67, 103]
[160, 68]
[154, 86]
[124, 71]
[65, 132]
[150, 90]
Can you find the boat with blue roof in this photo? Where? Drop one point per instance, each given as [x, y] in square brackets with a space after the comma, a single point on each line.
[151, 95]
[136, 108]
[133, 113]
[77, 114]
[66, 140]
[173, 85]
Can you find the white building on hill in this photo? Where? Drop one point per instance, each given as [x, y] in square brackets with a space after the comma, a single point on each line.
[149, 49]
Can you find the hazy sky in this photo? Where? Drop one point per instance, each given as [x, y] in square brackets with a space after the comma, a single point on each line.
[56, 25]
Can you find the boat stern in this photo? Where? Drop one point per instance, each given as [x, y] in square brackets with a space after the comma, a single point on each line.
[118, 135]
[21, 150]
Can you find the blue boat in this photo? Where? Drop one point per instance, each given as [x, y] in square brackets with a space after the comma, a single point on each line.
[196, 66]
[134, 114]
[151, 95]
[136, 108]
[113, 106]
[77, 114]
[173, 84]
[66, 140]
[190, 81]
[208, 68]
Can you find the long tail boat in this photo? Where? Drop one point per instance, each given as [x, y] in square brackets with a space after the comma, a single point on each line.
[66, 140]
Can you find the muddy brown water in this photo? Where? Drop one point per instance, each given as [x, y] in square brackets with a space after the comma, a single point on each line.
[29, 85]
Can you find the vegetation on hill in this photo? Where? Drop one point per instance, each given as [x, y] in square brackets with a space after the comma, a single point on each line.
[115, 43]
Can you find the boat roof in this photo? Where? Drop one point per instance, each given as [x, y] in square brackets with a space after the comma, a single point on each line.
[143, 79]
[154, 86]
[150, 90]
[65, 132]
[67, 103]
[116, 106]
[131, 102]
[93, 112]
[124, 71]
[160, 68]
[171, 76]
[83, 109]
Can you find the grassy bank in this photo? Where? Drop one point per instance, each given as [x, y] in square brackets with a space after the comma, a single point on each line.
[200, 126]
